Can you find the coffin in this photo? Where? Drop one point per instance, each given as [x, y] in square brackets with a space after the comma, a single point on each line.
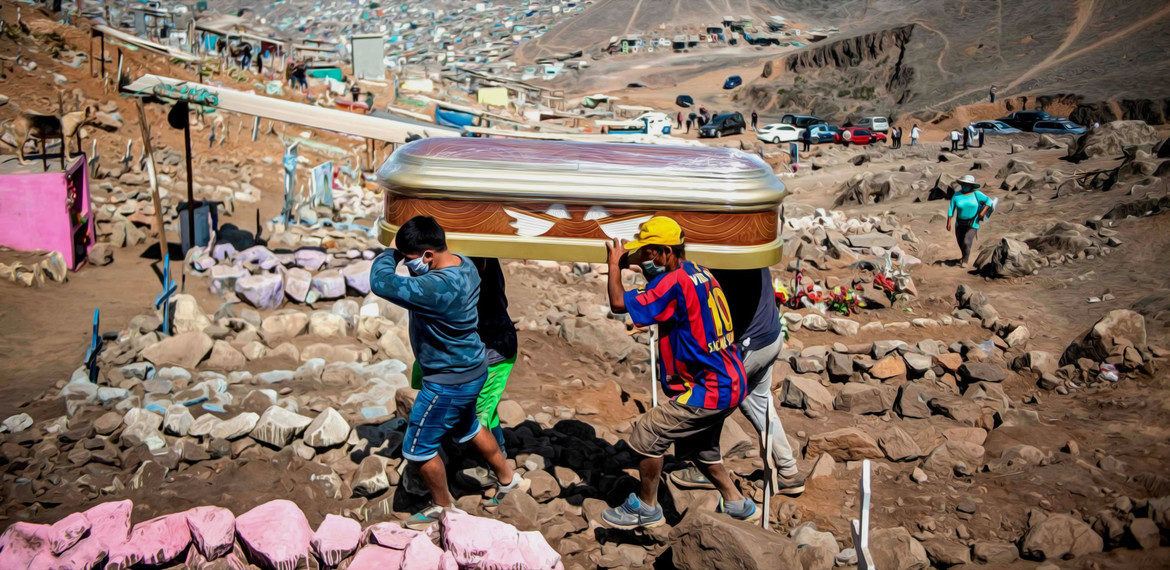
[563, 201]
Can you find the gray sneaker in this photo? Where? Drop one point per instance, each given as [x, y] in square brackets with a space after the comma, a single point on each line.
[791, 486]
[478, 477]
[519, 483]
[742, 510]
[423, 519]
[633, 514]
[690, 478]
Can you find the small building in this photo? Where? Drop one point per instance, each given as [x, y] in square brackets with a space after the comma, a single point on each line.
[47, 210]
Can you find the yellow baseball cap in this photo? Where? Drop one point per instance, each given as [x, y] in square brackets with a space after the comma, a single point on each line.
[659, 230]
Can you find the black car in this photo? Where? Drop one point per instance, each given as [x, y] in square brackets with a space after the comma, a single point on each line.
[684, 101]
[1025, 120]
[725, 124]
[802, 121]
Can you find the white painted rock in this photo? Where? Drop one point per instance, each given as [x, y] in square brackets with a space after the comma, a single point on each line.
[236, 427]
[142, 426]
[224, 356]
[263, 291]
[329, 284]
[278, 426]
[203, 425]
[184, 350]
[327, 325]
[297, 282]
[178, 420]
[357, 276]
[328, 429]
[18, 422]
[187, 316]
[311, 259]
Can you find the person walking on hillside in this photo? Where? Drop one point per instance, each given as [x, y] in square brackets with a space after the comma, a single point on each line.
[806, 138]
[689, 122]
[954, 141]
[755, 119]
[895, 137]
[991, 93]
[760, 339]
[356, 91]
[700, 369]
[981, 133]
[968, 207]
[966, 137]
[441, 294]
[914, 133]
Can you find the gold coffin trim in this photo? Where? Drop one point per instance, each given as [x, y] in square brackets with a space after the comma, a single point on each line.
[593, 250]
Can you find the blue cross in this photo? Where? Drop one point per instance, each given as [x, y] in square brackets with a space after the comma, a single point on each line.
[95, 346]
[162, 300]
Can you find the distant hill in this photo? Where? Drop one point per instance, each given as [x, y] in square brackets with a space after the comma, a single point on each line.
[919, 55]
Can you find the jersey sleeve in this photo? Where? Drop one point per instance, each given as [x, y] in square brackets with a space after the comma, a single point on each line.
[655, 305]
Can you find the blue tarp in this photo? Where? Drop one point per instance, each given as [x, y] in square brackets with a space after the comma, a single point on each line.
[451, 118]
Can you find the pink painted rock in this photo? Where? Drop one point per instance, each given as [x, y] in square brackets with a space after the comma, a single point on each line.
[86, 554]
[213, 529]
[478, 542]
[276, 535]
[375, 557]
[67, 531]
[422, 554]
[22, 543]
[336, 539]
[156, 542]
[109, 523]
[389, 535]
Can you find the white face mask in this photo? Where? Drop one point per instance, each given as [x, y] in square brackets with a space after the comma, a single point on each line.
[418, 266]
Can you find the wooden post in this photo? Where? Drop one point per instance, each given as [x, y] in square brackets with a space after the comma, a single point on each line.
[190, 179]
[91, 52]
[118, 84]
[103, 36]
[653, 366]
[158, 217]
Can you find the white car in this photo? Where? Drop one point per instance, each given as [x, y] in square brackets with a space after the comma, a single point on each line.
[875, 124]
[778, 133]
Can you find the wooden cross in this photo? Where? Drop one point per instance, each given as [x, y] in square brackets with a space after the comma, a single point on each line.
[95, 347]
[163, 300]
[861, 527]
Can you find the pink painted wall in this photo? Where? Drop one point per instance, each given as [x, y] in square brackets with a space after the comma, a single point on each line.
[35, 213]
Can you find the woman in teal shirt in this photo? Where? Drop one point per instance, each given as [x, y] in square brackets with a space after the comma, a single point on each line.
[968, 207]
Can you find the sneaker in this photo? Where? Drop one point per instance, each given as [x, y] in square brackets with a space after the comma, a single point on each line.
[519, 483]
[690, 478]
[632, 514]
[424, 518]
[742, 510]
[789, 485]
[478, 478]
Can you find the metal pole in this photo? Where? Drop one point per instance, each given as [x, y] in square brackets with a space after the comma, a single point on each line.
[158, 217]
[103, 36]
[654, 366]
[769, 466]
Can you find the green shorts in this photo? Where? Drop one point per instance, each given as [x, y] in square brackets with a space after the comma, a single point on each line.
[489, 396]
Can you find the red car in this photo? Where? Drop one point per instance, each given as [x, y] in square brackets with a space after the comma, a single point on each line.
[860, 136]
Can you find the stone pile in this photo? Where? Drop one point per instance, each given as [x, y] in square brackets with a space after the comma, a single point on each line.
[1110, 139]
[272, 536]
[822, 236]
[1059, 243]
[50, 268]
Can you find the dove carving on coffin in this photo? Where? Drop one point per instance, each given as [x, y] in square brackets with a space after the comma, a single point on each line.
[558, 221]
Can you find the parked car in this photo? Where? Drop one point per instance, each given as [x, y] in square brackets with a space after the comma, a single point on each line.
[778, 133]
[1058, 127]
[996, 128]
[634, 85]
[684, 101]
[725, 124]
[733, 82]
[823, 133]
[1024, 120]
[859, 136]
[875, 124]
[801, 121]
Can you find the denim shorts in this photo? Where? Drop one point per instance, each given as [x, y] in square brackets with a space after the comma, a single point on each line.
[440, 410]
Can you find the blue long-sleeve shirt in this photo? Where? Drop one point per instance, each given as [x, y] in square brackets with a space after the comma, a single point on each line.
[443, 316]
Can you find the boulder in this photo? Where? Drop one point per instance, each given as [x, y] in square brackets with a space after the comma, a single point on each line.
[844, 327]
[888, 367]
[839, 366]
[389, 535]
[263, 291]
[327, 325]
[156, 542]
[805, 392]
[1007, 258]
[357, 276]
[223, 278]
[142, 427]
[100, 254]
[704, 540]
[1144, 533]
[372, 557]
[283, 326]
[213, 530]
[177, 421]
[370, 477]
[1037, 362]
[311, 259]
[862, 399]
[64, 533]
[950, 455]
[1060, 536]
[275, 535]
[277, 426]
[336, 538]
[297, 283]
[912, 401]
[972, 372]
[22, 544]
[815, 323]
[234, 428]
[186, 315]
[329, 284]
[478, 542]
[1111, 138]
[224, 356]
[328, 429]
[184, 350]
[874, 239]
[895, 549]
[1118, 328]
[816, 549]
[944, 552]
[898, 445]
[422, 554]
[998, 553]
[845, 444]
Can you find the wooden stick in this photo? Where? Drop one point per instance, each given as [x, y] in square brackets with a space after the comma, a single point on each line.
[158, 217]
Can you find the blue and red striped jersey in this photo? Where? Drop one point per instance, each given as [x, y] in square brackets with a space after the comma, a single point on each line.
[700, 365]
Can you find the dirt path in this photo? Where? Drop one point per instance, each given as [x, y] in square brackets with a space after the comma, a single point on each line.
[946, 46]
[1085, 9]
